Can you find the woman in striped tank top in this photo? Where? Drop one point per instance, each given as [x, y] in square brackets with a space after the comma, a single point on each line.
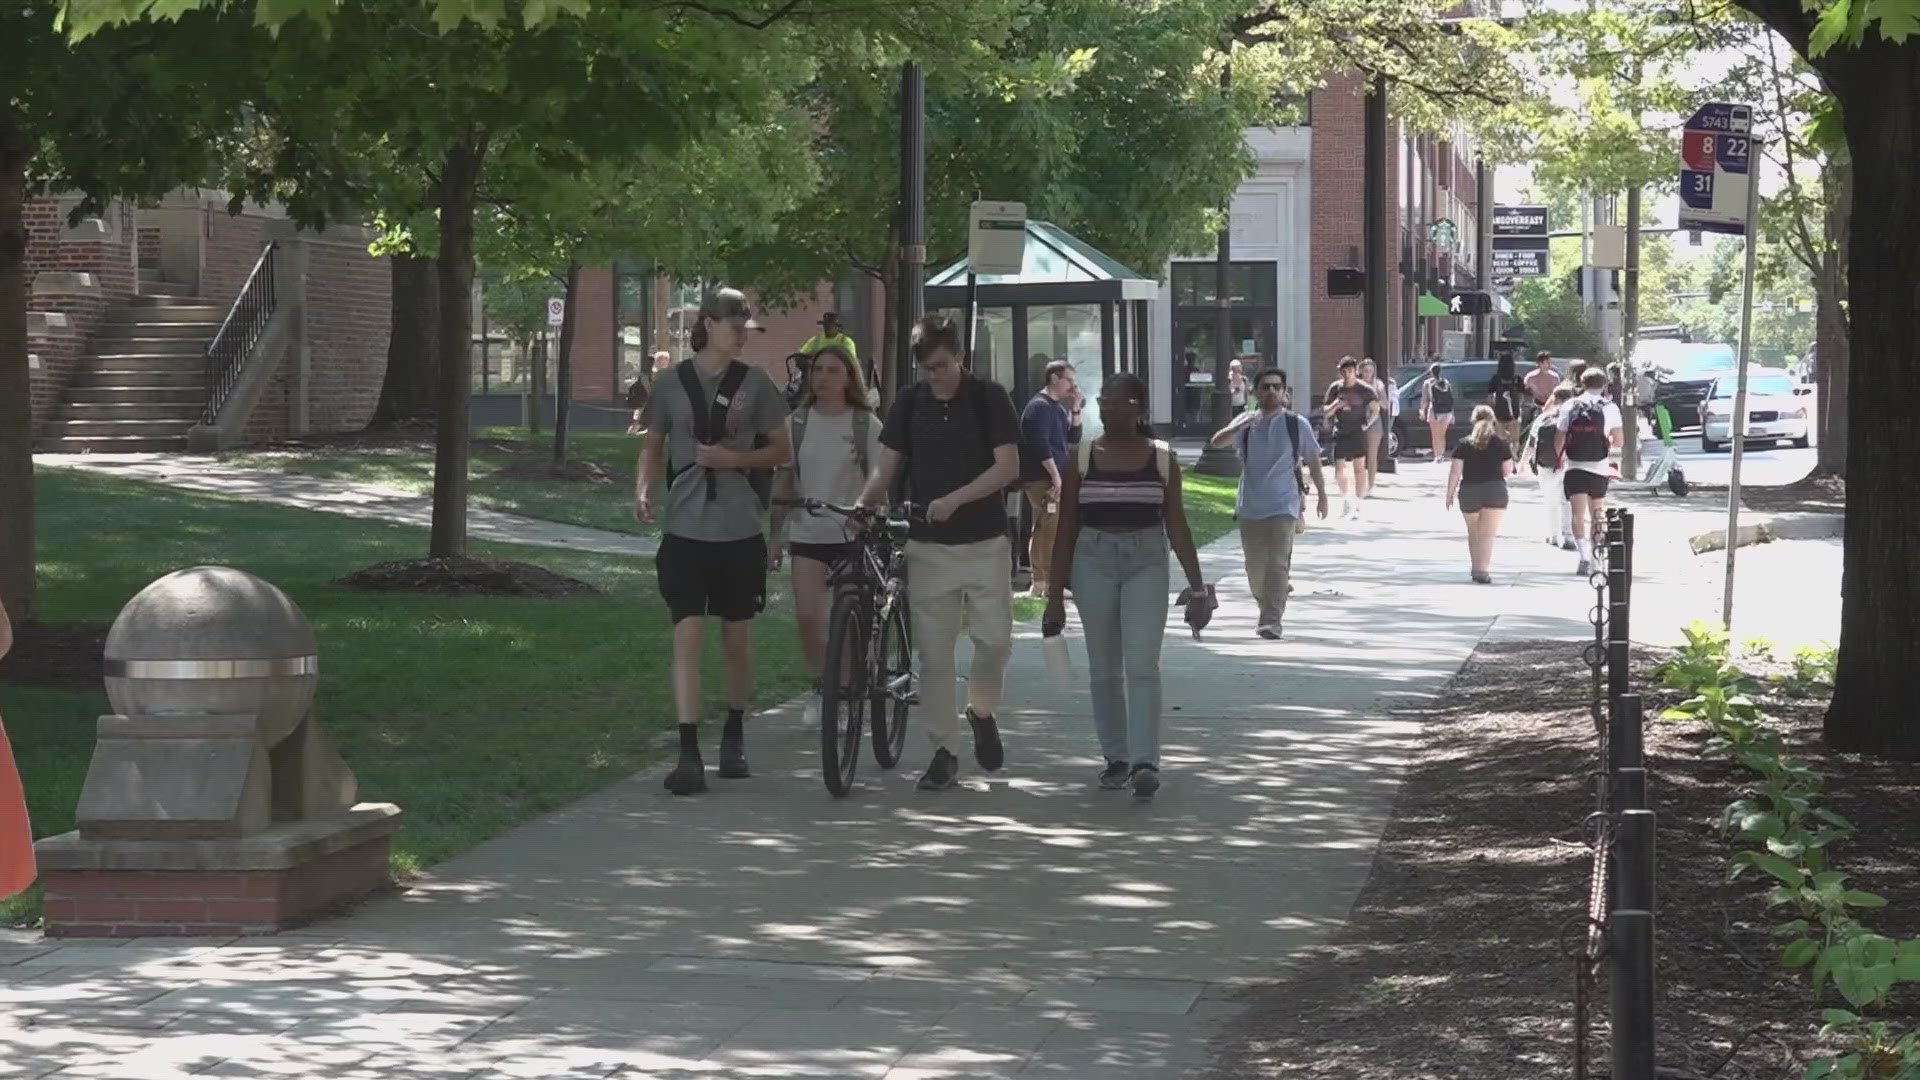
[1120, 510]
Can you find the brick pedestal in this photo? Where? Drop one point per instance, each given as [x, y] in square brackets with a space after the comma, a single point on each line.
[283, 877]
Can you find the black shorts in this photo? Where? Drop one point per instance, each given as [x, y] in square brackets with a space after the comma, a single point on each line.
[1350, 447]
[723, 578]
[1483, 495]
[822, 553]
[1581, 482]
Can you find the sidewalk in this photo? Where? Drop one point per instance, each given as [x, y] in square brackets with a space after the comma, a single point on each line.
[1024, 924]
[369, 502]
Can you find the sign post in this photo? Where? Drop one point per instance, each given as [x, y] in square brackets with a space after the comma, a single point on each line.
[556, 312]
[996, 244]
[1719, 192]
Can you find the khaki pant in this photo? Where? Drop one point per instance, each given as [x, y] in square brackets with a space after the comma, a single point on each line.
[1267, 545]
[951, 587]
[1046, 523]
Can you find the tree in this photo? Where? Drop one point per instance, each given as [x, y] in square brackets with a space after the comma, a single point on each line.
[131, 113]
[1868, 57]
[413, 344]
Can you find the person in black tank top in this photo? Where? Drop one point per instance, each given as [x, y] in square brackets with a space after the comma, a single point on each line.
[1436, 409]
[1120, 511]
[1478, 482]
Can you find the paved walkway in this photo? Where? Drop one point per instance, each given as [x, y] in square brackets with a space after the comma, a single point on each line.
[1023, 924]
[366, 501]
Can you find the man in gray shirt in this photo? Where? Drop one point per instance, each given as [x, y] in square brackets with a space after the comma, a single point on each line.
[713, 557]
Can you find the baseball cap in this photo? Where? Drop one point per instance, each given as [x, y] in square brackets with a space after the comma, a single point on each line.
[829, 317]
[729, 304]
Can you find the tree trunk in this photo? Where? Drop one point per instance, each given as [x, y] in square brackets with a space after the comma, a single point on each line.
[17, 586]
[1878, 85]
[413, 349]
[1834, 352]
[459, 176]
[563, 368]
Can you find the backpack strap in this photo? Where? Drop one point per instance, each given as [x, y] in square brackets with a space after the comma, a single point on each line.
[709, 424]
[797, 433]
[1163, 461]
[862, 434]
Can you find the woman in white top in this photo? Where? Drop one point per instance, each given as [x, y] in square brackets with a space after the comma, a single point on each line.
[836, 440]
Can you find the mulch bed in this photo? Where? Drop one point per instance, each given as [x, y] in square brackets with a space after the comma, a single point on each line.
[468, 577]
[1451, 965]
[57, 656]
[1813, 495]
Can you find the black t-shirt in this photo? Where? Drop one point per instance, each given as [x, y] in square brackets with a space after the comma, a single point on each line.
[1352, 419]
[1506, 397]
[1485, 463]
[947, 445]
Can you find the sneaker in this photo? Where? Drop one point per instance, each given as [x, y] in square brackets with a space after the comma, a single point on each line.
[1483, 579]
[1146, 781]
[1271, 631]
[986, 742]
[690, 776]
[1568, 545]
[1585, 568]
[1114, 776]
[810, 710]
[942, 773]
[733, 760]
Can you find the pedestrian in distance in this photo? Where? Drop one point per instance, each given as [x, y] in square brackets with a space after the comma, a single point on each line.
[1121, 510]
[1436, 408]
[1273, 443]
[1376, 429]
[719, 426]
[1541, 383]
[1046, 432]
[1504, 393]
[1590, 431]
[1478, 482]
[835, 440]
[16, 833]
[957, 438]
[1350, 406]
[1542, 455]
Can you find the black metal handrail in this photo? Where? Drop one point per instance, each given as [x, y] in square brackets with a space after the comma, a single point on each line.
[239, 332]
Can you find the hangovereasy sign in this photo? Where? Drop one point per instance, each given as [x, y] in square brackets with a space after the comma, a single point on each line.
[1518, 221]
[1520, 241]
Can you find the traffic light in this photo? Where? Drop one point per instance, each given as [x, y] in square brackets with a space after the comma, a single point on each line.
[1469, 303]
[1346, 281]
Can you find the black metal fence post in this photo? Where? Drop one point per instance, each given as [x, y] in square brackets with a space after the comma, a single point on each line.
[1630, 945]
[1627, 755]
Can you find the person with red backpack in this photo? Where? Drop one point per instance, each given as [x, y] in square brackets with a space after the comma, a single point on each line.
[1590, 430]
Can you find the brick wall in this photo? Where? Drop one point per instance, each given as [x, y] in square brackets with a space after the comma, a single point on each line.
[104, 249]
[788, 328]
[593, 370]
[272, 416]
[54, 343]
[1339, 183]
[349, 319]
[231, 251]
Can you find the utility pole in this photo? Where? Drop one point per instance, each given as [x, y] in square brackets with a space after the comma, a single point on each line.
[1629, 333]
[1483, 249]
[1222, 461]
[1378, 340]
[913, 217]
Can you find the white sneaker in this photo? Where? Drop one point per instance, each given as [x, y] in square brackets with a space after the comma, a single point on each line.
[810, 711]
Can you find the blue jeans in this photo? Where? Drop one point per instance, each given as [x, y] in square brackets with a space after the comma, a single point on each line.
[1120, 588]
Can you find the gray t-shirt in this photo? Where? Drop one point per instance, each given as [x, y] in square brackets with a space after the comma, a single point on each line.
[734, 513]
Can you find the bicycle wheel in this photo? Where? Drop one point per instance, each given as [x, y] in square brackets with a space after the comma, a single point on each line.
[892, 682]
[843, 692]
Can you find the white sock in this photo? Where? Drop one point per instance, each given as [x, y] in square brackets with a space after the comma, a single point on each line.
[1586, 550]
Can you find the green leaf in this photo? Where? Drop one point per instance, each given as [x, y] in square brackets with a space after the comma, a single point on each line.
[1899, 19]
[1820, 1069]
[1800, 953]
[1827, 878]
[1831, 27]
[1906, 964]
[1780, 868]
[1837, 1016]
[1861, 899]
[1786, 849]
[1762, 824]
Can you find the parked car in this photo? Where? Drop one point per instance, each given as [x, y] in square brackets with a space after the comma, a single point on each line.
[1776, 411]
[1683, 372]
[1472, 384]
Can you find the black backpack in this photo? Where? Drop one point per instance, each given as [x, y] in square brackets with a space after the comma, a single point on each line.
[1441, 395]
[710, 425]
[1586, 432]
[1546, 447]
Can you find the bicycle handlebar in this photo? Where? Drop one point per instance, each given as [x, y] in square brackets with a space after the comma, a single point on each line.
[912, 511]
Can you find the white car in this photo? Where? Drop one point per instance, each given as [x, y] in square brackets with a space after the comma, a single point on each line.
[1776, 412]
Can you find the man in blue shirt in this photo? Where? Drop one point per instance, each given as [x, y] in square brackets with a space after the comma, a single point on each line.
[1045, 431]
[1273, 443]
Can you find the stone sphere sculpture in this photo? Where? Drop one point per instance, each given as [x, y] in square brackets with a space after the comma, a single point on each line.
[213, 639]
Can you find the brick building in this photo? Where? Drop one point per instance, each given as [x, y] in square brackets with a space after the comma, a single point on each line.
[1298, 215]
[124, 308]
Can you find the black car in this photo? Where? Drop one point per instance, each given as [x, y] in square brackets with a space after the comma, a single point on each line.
[1683, 372]
[1472, 385]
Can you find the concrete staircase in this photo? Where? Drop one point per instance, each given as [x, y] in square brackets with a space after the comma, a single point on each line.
[144, 384]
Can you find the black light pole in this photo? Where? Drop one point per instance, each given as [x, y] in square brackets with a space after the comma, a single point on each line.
[913, 217]
[1219, 461]
[1378, 337]
[1483, 250]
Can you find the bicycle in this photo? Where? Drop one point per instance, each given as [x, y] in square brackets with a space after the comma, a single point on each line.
[869, 661]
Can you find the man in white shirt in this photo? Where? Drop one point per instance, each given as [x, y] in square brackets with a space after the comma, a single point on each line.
[1590, 432]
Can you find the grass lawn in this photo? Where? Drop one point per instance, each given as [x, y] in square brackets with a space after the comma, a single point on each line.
[410, 468]
[472, 713]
